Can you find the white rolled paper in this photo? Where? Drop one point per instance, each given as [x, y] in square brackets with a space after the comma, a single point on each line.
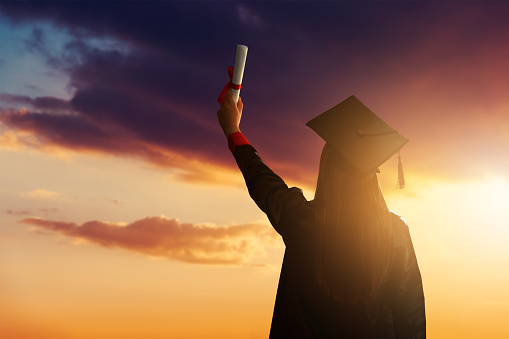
[238, 69]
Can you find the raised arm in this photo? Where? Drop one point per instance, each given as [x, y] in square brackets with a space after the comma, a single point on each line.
[266, 188]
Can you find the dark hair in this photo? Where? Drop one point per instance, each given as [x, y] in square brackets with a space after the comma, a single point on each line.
[353, 231]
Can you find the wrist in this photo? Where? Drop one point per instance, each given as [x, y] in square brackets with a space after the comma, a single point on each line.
[236, 139]
[229, 131]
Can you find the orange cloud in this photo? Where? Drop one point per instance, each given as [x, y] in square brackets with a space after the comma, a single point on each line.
[169, 238]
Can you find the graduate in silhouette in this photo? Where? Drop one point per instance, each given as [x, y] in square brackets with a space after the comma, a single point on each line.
[349, 269]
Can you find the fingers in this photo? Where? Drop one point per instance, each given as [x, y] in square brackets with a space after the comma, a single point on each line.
[229, 96]
[240, 105]
[231, 101]
[229, 114]
[226, 99]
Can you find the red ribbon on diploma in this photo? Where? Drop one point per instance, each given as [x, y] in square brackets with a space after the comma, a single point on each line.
[226, 87]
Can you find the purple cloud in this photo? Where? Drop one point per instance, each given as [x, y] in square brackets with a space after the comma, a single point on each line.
[148, 88]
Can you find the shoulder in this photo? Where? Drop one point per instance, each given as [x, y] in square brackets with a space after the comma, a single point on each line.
[296, 205]
[400, 231]
[398, 219]
[298, 218]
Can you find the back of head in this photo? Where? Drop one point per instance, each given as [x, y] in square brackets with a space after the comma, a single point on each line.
[353, 231]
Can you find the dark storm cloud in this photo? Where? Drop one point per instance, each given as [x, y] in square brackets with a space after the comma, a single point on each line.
[43, 103]
[83, 134]
[154, 91]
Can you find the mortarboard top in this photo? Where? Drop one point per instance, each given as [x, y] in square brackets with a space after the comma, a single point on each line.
[357, 134]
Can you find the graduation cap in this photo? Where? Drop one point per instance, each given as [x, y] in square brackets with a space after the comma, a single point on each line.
[359, 136]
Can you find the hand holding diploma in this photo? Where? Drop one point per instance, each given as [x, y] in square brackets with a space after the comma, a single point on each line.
[229, 114]
[236, 73]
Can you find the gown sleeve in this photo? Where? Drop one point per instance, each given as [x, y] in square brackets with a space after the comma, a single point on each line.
[266, 188]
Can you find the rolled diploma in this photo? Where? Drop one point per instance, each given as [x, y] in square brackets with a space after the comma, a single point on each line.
[238, 69]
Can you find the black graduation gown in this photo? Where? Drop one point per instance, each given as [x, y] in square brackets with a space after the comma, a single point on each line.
[301, 309]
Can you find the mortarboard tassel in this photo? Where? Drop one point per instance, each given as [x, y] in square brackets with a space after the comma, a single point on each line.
[401, 175]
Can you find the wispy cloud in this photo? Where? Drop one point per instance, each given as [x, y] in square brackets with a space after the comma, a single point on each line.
[40, 193]
[249, 17]
[172, 239]
[18, 212]
[40, 103]
[27, 212]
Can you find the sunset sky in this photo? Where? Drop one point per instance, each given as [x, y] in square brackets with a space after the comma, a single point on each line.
[122, 212]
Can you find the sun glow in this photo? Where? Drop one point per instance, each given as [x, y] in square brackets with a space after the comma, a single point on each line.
[493, 198]
[461, 219]
[487, 214]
